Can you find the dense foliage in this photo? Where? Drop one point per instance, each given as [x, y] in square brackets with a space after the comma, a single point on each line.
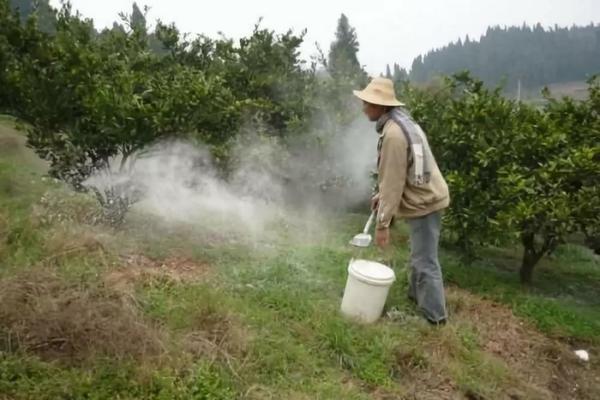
[516, 173]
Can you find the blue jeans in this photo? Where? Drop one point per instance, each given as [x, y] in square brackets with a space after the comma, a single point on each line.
[426, 285]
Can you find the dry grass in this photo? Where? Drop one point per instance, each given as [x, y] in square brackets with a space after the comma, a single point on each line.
[213, 335]
[10, 144]
[486, 352]
[62, 206]
[4, 229]
[64, 242]
[137, 268]
[218, 337]
[42, 314]
[539, 367]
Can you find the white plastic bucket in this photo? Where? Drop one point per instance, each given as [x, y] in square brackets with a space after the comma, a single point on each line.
[366, 290]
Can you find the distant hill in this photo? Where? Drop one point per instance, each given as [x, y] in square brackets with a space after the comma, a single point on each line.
[46, 15]
[534, 55]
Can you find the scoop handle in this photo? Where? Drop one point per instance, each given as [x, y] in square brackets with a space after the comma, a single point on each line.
[369, 222]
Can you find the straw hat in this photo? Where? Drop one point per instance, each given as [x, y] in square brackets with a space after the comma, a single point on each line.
[379, 91]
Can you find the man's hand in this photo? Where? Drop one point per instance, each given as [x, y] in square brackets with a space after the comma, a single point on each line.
[375, 202]
[382, 237]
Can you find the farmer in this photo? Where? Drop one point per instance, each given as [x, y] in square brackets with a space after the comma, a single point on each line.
[410, 186]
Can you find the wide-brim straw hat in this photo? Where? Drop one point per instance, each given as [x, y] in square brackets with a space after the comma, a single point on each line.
[379, 91]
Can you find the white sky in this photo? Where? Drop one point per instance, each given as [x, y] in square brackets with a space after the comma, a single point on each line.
[388, 30]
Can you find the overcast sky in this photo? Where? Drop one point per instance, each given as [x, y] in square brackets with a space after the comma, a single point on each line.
[388, 30]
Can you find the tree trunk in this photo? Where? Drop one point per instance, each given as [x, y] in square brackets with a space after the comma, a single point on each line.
[530, 258]
[124, 160]
[526, 271]
[593, 242]
[531, 255]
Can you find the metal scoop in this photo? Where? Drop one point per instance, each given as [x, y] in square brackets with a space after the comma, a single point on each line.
[364, 239]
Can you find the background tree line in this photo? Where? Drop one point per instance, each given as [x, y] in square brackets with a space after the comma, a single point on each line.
[532, 54]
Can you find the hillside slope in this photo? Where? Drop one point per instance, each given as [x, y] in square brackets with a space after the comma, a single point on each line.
[162, 310]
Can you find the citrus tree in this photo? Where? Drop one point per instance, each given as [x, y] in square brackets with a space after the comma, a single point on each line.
[515, 172]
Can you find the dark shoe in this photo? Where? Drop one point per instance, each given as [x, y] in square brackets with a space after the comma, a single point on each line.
[441, 322]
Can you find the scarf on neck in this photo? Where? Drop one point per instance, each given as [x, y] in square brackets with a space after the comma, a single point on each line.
[420, 169]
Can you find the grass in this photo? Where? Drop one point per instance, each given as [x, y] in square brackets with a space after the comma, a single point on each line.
[564, 302]
[163, 311]
[577, 90]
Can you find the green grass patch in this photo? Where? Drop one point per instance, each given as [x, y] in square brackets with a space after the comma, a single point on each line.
[563, 300]
[26, 378]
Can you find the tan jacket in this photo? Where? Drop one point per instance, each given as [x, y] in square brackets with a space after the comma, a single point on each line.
[397, 196]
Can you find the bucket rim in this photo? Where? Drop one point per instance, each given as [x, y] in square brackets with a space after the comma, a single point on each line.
[371, 280]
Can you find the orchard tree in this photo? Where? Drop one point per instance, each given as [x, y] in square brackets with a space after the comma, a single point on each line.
[515, 172]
